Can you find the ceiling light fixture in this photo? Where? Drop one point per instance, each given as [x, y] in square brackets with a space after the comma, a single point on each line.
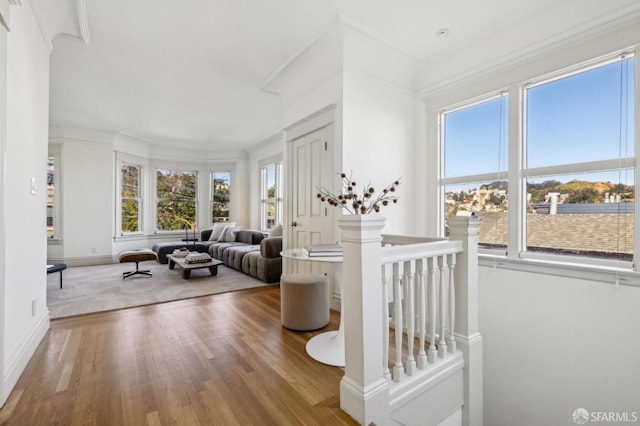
[442, 32]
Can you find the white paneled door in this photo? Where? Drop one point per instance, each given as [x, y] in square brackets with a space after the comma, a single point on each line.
[309, 156]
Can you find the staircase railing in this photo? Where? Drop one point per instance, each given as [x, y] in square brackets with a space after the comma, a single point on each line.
[410, 317]
[418, 286]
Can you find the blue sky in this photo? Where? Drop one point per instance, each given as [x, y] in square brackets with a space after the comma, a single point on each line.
[571, 120]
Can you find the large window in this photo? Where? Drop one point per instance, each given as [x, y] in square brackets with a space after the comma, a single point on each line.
[271, 195]
[475, 166]
[570, 164]
[131, 198]
[176, 199]
[579, 162]
[220, 196]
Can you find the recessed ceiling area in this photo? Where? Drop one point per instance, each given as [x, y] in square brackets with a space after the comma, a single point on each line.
[192, 74]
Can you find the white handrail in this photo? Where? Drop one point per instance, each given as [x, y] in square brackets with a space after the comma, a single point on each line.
[423, 295]
[408, 322]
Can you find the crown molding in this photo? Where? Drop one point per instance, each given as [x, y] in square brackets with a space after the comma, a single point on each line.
[61, 17]
[621, 22]
[83, 21]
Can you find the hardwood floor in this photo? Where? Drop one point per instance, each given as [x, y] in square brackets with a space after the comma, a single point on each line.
[215, 360]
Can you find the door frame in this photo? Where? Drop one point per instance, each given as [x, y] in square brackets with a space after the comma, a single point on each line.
[324, 118]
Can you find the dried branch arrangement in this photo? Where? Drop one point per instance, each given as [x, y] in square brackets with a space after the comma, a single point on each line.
[355, 203]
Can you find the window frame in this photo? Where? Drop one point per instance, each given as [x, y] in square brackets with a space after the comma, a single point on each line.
[157, 200]
[56, 153]
[120, 160]
[140, 199]
[595, 166]
[478, 178]
[517, 174]
[212, 173]
[277, 200]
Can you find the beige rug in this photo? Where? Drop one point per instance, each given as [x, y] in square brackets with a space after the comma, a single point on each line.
[101, 288]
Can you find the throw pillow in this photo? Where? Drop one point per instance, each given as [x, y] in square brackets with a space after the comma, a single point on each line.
[231, 233]
[276, 231]
[224, 231]
[218, 227]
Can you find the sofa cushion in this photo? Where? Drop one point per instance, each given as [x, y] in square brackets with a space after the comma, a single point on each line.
[216, 250]
[271, 247]
[232, 256]
[249, 236]
[250, 263]
[205, 234]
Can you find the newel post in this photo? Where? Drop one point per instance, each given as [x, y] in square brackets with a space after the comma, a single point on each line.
[467, 331]
[364, 393]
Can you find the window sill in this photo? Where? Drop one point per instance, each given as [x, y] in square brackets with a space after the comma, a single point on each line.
[131, 237]
[616, 275]
[175, 235]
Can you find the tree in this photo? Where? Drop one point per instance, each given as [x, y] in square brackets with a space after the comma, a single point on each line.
[130, 194]
[176, 194]
[584, 195]
[221, 198]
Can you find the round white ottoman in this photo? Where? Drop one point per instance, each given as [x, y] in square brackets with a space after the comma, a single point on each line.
[304, 301]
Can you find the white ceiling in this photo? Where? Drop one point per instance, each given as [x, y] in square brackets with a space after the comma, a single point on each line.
[191, 73]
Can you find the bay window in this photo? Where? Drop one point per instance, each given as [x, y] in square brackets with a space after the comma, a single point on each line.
[130, 198]
[220, 196]
[176, 199]
[271, 195]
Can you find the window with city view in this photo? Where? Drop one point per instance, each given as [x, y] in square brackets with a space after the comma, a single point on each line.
[577, 161]
[131, 200]
[176, 199]
[220, 196]
[475, 166]
[271, 195]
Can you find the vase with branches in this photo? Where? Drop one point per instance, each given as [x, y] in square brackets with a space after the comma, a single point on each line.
[355, 202]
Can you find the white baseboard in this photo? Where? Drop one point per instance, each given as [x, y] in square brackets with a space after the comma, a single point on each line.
[84, 261]
[17, 361]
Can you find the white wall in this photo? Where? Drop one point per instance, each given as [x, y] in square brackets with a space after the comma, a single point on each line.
[378, 134]
[87, 183]
[25, 157]
[378, 122]
[554, 344]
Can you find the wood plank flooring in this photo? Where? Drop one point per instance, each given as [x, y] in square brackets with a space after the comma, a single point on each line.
[214, 360]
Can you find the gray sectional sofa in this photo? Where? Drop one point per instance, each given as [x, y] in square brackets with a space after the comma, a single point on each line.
[250, 252]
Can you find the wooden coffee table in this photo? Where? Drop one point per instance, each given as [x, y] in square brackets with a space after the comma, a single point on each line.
[186, 268]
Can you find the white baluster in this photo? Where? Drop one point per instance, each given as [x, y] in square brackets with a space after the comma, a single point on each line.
[422, 312]
[452, 305]
[385, 323]
[409, 297]
[431, 354]
[442, 343]
[398, 370]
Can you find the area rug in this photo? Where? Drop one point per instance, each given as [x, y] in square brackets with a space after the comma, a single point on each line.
[89, 289]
